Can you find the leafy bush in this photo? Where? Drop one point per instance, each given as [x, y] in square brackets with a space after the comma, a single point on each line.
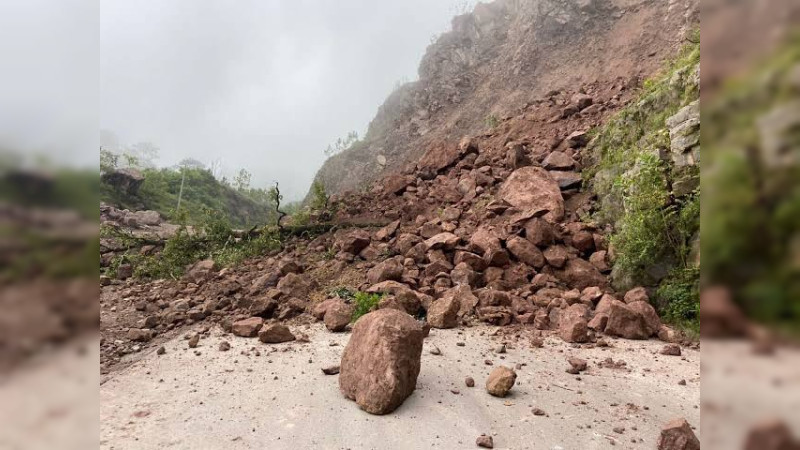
[364, 303]
[216, 241]
[679, 296]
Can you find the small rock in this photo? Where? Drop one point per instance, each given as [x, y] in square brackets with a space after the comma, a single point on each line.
[224, 346]
[538, 412]
[469, 381]
[484, 441]
[671, 350]
[161, 350]
[577, 366]
[500, 381]
[435, 351]
[331, 370]
[194, 340]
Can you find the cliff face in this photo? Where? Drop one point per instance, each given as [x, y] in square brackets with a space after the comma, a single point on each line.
[498, 60]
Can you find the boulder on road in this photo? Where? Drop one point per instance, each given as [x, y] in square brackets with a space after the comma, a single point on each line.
[381, 362]
[443, 313]
[678, 435]
[625, 322]
[275, 334]
[500, 381]
[247, 327]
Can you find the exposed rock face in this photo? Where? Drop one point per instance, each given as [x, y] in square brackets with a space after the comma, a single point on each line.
[381, 362]
[500, 381]
[492, 59]
[678, 435]
[532, 188]
[124, 180]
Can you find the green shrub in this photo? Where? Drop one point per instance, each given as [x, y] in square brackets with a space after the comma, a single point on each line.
[679, 297]
[364, 303]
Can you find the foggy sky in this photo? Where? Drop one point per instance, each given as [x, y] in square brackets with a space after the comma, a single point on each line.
[261, 84]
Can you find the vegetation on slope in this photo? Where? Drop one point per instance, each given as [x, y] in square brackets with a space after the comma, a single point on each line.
[201, 191]
[751, 207]
[655, 228]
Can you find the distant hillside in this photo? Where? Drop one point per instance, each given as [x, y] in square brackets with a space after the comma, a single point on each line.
[159, 192]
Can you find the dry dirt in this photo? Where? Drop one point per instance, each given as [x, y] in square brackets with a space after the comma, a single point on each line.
[205, 398]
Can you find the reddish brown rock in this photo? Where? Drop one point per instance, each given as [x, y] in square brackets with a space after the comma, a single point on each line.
[720, 316]
[391, 269]
[770, 435]
[558, 161]
[540, 232]
[598, 322]
[625, 322]
[580, 274]
[338, 316]
[443, 313]
[322, 307]
[405, 296]
[247, 327]
[388, 231]
[671, 350]
[500, 381]
[294, 285]
[275, 334]
[556, 256]
[484, 240]
[525, 251]
[352, 241]
[381, 362]
[445, 241]
[637, 294]
[484, 441]
[678, 435]
[599, 260]
[572, 324]
[533, 188]
[649, 313]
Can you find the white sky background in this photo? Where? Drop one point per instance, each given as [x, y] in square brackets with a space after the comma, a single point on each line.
[260, 84]
[49, 96]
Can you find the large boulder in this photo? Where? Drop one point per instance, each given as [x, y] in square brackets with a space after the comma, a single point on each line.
[625, 322]
[678, 435]
[443, 313]
[649, 313]
[581, 274]
[381, 362]
[530, 188]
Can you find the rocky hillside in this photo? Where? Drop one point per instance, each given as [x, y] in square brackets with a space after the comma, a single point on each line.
[498, 61]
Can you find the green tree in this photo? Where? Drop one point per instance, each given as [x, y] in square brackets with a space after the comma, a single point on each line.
[242, 180]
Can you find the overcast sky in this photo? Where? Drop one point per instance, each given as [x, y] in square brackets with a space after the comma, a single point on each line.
[260, 84]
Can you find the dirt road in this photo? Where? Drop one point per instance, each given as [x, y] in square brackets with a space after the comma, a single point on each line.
[282, 400]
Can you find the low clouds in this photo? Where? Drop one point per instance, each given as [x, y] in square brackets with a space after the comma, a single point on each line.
[264, 85]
